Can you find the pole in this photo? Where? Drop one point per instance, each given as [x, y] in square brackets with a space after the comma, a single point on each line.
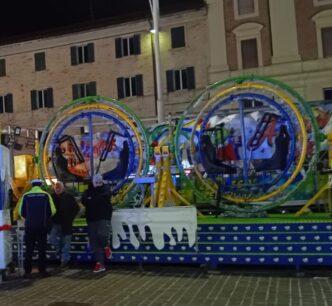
[92, 170]
[154, 5]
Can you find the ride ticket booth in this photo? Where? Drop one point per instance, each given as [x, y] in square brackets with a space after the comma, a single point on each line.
[5, 221]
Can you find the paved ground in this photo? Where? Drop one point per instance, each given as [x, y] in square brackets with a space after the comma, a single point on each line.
[169, 285]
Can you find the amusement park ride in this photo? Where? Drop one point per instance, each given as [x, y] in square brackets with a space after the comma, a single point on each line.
[245, 147]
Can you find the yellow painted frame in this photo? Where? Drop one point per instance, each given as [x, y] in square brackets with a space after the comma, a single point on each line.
[299, 117]
[100, 106]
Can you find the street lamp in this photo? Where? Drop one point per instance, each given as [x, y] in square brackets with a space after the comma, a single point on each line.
[17, 131]
[154, 6]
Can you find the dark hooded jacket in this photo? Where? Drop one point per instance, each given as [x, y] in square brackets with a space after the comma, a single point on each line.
[66, 211]
[97, 201]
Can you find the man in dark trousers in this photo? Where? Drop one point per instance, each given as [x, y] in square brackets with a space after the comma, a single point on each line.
[36, 208]
[66, 211]
[97, 200]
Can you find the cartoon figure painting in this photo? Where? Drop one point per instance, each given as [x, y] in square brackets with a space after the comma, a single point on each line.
[110, 157]
[266, 140]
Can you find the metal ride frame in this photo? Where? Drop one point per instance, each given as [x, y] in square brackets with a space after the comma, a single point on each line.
[100, 104]
[240, 85]
[90, 105]
[302, 130]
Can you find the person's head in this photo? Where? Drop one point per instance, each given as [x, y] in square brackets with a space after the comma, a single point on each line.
[58, 151]
[97, 180]
[322, 117]
[58, 187]
[36, 182]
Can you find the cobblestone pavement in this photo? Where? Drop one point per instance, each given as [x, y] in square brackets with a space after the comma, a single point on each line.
[169, 285]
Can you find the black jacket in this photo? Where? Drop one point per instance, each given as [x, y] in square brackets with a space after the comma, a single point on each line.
[37, 207]
[66, 211]
[97, 201]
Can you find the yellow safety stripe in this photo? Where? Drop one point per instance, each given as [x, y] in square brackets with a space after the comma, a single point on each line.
[37, 189]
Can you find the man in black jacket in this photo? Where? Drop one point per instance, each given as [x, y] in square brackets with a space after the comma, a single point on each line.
[97, 200]
[66, 211]
[36, 207]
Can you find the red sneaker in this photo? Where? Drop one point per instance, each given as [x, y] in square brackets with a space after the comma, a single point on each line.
[108, 252]
[99, 268]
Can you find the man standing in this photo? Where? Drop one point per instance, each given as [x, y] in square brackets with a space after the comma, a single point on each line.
[36, 208]
[97, 200]
[66, 211]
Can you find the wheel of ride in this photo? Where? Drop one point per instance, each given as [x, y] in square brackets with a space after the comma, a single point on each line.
[253, 138]
[94, 135]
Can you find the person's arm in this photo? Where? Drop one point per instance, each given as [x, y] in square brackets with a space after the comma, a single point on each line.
[105, 196]
[52, 205]
[22, 207]
[105, 192]
[75, 207]
[84, 200]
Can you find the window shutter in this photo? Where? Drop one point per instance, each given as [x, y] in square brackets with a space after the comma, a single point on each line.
[139, 85]
[73, 54]
[170, 80]
[118, 49]
[34, 102]
[92, 89]
[191, 78]
[1, 104]
[2, 67]
[75, 91]
[327, 93]
[249, 53]
[49, 97]
[40, 61]
[9, 103]
[120, 88]
[136, 44]
[177, 35]
[327, 41]
[91, 53]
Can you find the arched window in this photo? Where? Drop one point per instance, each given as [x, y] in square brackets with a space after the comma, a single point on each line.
[323, 22]
[249, 45]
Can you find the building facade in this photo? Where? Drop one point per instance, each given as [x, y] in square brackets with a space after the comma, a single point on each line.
[290, 40]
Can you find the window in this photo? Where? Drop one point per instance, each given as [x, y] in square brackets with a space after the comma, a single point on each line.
[127, 46]
[249, 53]
[245, 8]
[130, 86]
[42, 98]
[251, 103]
[6, 104]
[248, 45]
[323, 22]
[327, 41]
[84, 90]
[178, 38]
[82, 54]
[40, 61]
[322, 2]
[327, 93]
[2, 67]
[179, 79]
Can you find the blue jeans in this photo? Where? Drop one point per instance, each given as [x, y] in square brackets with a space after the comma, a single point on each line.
[61, 243]
[99, 237]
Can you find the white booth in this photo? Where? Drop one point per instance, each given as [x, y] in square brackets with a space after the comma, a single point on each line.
[5, 221]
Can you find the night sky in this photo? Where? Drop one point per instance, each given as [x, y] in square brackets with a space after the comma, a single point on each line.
[21, 18]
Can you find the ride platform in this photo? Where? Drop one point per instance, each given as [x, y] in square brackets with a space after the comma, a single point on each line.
[283, 240]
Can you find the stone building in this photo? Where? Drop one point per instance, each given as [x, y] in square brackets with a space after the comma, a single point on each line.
[200, 43]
